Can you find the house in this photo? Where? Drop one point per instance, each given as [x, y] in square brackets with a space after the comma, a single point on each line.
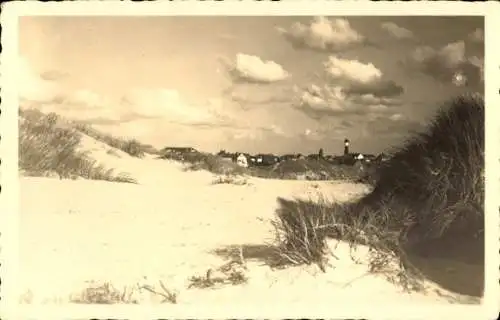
[241, 160]
[266, 159]
[357, 156]
[250, 159]
[370, 158]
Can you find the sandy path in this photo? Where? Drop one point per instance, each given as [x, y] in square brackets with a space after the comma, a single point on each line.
[166, 228]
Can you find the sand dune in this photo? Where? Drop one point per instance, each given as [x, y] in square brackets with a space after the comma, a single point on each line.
[173, 225]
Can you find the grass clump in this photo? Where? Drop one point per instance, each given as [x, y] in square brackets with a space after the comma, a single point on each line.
[230, 179]
[49, 146]
[230, 273]
[130, 146]
[214, 164]
[104, 293]
[431, 188]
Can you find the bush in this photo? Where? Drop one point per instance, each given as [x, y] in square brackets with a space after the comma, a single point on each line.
[211, 163]
[47, 145]
[432, 187]
[133, 148]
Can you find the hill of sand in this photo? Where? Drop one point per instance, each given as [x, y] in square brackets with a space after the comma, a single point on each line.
[173, 225]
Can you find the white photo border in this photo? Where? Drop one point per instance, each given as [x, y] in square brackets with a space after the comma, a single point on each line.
[9, 196]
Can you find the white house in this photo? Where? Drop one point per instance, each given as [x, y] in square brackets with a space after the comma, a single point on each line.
[241, 160]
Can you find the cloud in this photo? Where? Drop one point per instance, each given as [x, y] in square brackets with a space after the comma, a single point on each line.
[259, 132]
[396, 31]
[323, 34]
[31, 86]
[140, 103]
[253, 69]
[139, 106]
[445, 64]
[312, 134]
[163, 103]
[351, 70]
[479, 63]
[54, 75]
[378, 89]
[397, 125]
[362, 79]
[397, 117]
[318, 102]
[477, 35]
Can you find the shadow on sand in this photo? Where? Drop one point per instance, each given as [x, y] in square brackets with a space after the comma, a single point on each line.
[453, 263]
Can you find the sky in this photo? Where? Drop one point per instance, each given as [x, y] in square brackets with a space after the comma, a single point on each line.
[281, 84]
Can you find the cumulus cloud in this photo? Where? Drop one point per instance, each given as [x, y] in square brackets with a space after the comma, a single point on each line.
[396, 31]
[323, 34]
[361, 79]
[445, 64]
[253, 69]
[477, 35]
[93, 107]
[318, 102]
[351, 70]
[163, 103]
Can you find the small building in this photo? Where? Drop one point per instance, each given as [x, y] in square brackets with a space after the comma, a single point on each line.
[266, 159]
[241, 160]
[359, 156]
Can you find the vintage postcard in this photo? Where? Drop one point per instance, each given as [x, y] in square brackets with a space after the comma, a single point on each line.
[250, 159]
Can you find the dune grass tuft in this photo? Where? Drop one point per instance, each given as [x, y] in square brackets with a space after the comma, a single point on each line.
[130, 146]
[431, 188]
[49, 146]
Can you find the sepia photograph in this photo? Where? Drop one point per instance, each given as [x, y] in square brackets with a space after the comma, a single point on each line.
[256, 160]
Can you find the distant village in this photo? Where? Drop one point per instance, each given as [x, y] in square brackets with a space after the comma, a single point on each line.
[244, 159]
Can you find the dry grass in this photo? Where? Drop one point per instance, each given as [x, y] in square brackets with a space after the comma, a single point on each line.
[130, 146]
[230, 273]
[433, 187]
[106, 293]
[211, 163]
[48, 146]
[231, 179]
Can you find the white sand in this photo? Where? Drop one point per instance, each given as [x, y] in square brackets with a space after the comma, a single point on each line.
[166, 227]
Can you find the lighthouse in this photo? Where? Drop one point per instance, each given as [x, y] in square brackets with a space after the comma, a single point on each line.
[346, 147]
